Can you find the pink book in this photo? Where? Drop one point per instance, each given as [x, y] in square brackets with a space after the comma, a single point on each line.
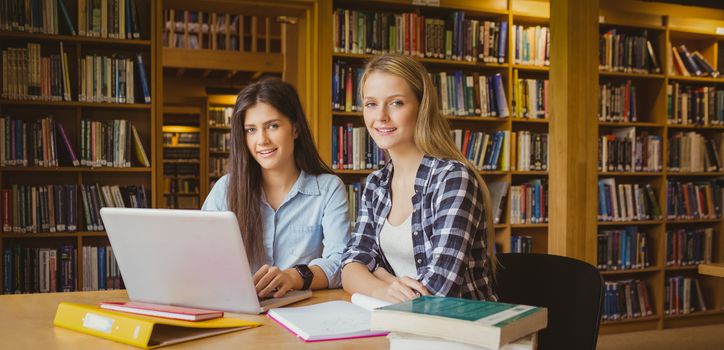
[66, 142]
[165, 311]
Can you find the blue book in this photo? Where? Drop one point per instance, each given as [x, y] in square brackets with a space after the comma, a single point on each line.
[129, 29]
[503, 42]
[602, 213]
[500, 136]
[101, 268]
[68, 23]
[335, 86]
[501, 103]
[144, 83]
[492, 101]
[8, 270]
[335, 145]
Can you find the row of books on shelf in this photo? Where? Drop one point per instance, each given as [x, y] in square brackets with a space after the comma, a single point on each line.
[181, 154]
[493, 151]
[53, 208]
[617, 102]
[102, 79]
[689, 247]
[627, 299]
[413, 34]
[39, 270]
[521, 244]
[102, 144]
[354, 149]
[220, 141]
[117, 19]
[624, 151]
[219, 166]
[202, 30]
[182, 202]
[180, 169]
[29, 75]
[629, 52]
[691, 64]
[186, 186]
[626, 202]
[532, 45]
[694, 152]
[220, 116]
[623, 249]
[530, 97]
[181, 138]
[694, 105]
[683, 295]
[693, 200]
[471, 94]
[100, 269]
[529, 202]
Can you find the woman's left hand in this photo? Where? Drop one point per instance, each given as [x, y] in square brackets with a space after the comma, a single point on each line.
[271, 279]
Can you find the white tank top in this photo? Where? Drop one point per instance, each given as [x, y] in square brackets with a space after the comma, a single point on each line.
[396, 244]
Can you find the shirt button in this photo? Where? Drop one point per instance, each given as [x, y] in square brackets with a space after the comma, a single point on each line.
[414, 233]
[419, 261]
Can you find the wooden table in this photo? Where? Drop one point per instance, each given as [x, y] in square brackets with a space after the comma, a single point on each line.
[715, 269]
[26, 322]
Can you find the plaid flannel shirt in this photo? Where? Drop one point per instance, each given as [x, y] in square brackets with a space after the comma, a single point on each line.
[448, 229]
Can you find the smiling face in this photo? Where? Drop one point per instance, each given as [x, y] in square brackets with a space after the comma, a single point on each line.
[390, 111]
[269, 136]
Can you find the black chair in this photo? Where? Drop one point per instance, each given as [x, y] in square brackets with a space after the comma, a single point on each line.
[571, 289]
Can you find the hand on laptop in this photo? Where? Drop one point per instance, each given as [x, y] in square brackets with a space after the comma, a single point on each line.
[273, 281]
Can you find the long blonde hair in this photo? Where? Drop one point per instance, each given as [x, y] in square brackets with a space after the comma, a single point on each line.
[432, 132]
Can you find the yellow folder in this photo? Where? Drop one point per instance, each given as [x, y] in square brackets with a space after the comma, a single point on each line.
[141, 331]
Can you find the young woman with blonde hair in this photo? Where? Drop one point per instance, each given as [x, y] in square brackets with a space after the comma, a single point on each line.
[425, 220]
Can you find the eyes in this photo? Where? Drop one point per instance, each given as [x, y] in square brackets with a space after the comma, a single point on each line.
[393, 103]
[252, 130]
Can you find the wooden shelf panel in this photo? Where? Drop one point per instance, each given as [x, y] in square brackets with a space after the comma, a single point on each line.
[528, 225]
[629, 173]
[75, 104]
[629, 271]
[693, 221]
[182, 146]
[682, 268]
[529, 172]
[79, 169]
[631, 320]
[74, 39]
[529, 120]
[607, 74]
[695, 127]
[223, 60]
[625, 124]
[527, 68]
[630, 223]
[695, 314]
[431, 61]
[678, 174]
[696, 79]
[53, 234]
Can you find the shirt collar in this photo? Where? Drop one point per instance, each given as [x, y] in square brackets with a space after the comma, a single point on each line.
[423, 171]
[305, 184]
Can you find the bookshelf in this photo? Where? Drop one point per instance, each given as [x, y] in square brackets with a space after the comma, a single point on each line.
[525, 13]
[72, 112]
[663, 28]
[182, 160]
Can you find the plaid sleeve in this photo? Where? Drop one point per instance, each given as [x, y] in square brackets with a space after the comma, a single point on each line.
[458, 212]
[362, 247]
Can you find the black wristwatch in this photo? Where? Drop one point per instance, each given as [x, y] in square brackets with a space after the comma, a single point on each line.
[307, 275]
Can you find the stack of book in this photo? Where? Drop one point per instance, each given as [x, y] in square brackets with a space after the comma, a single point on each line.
[203, 30]
[27, 75]
[530, 97]
[39, 270]
[693, 200]
[623, 249]
[532, 45]
[346, 96]
[530, 151]
[626, 300]
[521, 244]
[453, 38]
[626, 202]
[617, 102]
[112, 19]
[95, 197]
[109, 143]
[689, 247]
[471, 94]
[220, 116]
[487, 151]
[529, 202]
[39, 208]
[691, 64]
[100, 269]
[623, 52]
[693, 152]
[35, 144]
[354, 149]
[432, 322]
[624, 151]
[34, 17]
[683, 296]
[694, 105]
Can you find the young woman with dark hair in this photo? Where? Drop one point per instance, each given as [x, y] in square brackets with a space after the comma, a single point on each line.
[292, 211]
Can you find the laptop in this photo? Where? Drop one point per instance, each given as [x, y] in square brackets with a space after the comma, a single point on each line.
[186, 258]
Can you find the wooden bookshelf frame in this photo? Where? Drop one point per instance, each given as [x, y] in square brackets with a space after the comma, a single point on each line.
[76, 111]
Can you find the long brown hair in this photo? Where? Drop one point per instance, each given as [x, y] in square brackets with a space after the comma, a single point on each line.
[245, 183]
[432, 131]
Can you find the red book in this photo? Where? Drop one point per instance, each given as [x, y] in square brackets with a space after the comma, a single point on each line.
[165, 311]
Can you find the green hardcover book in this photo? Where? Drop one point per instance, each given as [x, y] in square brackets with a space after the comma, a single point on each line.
[482, 323]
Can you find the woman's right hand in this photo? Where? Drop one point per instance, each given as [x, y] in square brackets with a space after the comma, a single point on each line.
[401, 290]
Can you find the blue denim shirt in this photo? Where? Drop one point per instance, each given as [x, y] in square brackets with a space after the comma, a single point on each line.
[310, 227]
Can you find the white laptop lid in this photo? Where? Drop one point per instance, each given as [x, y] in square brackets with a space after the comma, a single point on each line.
[182, 257]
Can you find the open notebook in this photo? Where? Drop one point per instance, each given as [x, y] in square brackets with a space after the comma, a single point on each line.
[332, 320]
